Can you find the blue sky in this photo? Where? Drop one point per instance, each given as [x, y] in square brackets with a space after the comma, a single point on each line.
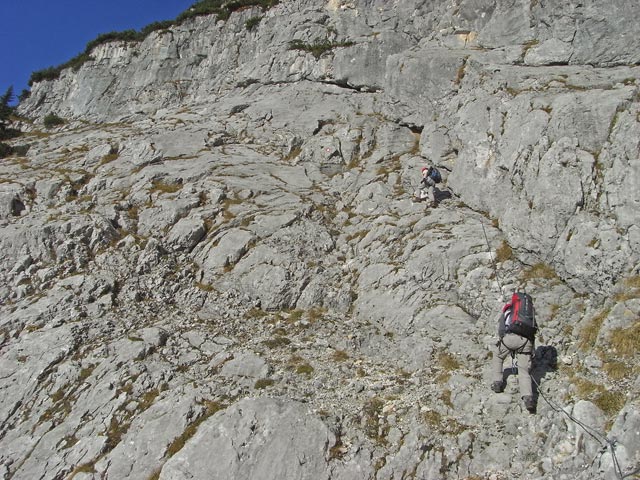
[38, 34]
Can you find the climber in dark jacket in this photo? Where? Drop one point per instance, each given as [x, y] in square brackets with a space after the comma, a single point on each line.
[427, 187]
[512, 344]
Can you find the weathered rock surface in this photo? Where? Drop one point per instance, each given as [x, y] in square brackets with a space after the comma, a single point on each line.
[214, 269]
[256, 438]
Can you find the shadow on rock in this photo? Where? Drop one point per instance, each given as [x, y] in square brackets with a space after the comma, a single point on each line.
[441, 194]
[545, 360]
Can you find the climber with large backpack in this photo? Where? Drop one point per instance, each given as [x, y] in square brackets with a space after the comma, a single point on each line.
[517, 329]
[426, 190]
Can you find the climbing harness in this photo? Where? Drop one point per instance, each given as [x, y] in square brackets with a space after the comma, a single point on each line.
[495, 267]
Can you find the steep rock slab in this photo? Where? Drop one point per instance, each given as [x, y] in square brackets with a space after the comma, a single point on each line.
[312, 170]
[550, 136]
[259, 439]
[151, 434]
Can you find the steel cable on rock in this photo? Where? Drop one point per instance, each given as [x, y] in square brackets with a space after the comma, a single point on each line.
[495, 267]
[603, 440]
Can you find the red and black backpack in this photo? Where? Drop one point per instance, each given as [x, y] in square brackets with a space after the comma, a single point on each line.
[523, 316]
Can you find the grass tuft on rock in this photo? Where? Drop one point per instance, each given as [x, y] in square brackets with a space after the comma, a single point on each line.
[210, 408]
[503, 252]
[539, 271]
[318, 48]
[626, 341]
[589, 334]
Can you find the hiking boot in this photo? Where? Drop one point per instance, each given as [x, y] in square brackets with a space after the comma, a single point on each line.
[529, 403]
[497, 387]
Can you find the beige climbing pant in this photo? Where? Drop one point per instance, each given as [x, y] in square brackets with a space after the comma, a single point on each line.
[523, 349]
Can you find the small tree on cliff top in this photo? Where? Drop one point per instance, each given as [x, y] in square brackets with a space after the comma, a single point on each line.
[5, 113]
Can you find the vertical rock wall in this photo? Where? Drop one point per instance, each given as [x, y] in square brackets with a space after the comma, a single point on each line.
[215, 269]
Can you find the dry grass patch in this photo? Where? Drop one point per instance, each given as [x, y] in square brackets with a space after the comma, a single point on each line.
[630, 289]
[373, 420]
[255, 313]
[108, 158]
[616, 370]
[163, 187]
[539, 271]
[504, 252]
[445, 425]
[316, 314]
[300, 365]
[626, 341]
[292, 155]
[295, 316]
[210, 407]
[88, 468]
[277, 342]
[263, 383]
[608, 400]
[589, 334]
[304, 369]
[357, 236]
[445, 396]
[205, 287]
[447, 363]
[227, 203]
[339, 356]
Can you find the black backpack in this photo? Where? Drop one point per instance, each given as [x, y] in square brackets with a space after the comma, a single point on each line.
[523, 316]
[435, 175]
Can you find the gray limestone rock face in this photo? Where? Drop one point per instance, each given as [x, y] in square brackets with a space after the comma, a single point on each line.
[550, 52]
[255, 438]
[10, 204]
[47, 189]
[245, 365]
[141, 452]
[186, 233]
[215, 268]
[165, 214]
[225, 250]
